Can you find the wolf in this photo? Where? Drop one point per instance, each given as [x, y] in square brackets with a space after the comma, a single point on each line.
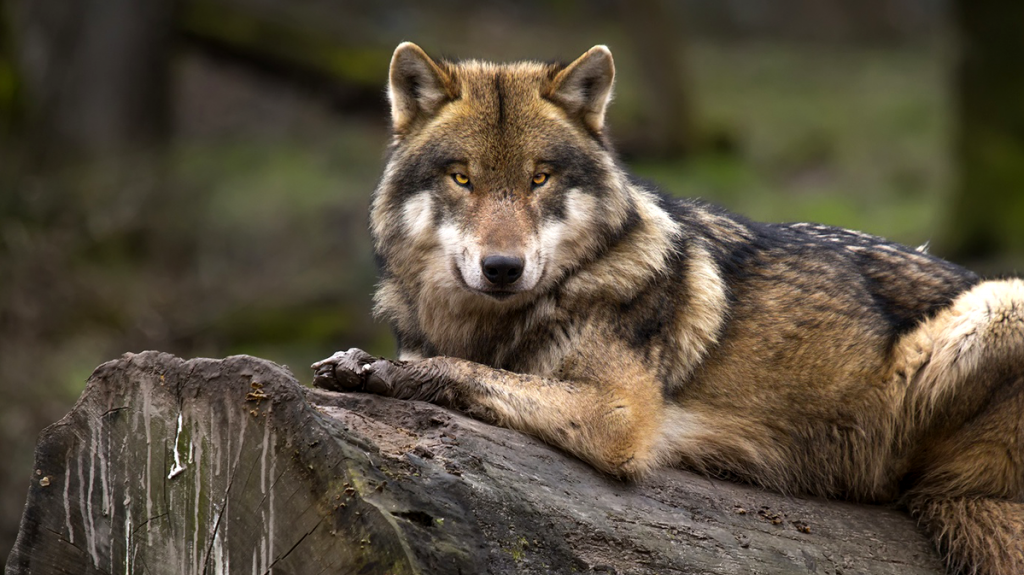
[533, 283]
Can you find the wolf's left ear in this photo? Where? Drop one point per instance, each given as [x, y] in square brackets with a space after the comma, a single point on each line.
[584, 87]
[417, 86]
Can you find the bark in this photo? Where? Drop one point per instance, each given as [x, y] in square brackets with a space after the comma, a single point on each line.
[172, 466]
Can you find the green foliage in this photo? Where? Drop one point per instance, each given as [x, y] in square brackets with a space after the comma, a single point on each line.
[848, 136]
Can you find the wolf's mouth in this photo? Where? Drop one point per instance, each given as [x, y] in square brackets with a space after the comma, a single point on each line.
[498, 295]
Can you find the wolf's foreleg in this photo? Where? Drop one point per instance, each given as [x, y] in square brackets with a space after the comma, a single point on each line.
[615, 426]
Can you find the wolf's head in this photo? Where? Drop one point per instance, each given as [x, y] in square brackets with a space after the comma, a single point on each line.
[500, 178]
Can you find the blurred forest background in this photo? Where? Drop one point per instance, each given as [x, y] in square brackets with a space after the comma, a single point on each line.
[193, 175]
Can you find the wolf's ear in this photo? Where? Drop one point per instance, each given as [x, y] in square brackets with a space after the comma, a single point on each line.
[584, 87]
[417, 86]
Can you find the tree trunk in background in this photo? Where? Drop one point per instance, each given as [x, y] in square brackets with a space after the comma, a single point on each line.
[10, 83]
[231, 466]
[96, 75]
[987, 218]
[667, 128]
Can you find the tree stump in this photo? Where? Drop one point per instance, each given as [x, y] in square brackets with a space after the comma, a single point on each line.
[231, 466]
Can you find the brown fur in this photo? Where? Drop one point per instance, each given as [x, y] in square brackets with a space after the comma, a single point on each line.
[646, 331]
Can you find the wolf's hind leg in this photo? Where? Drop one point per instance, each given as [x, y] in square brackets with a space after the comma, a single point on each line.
[968, 482]
[964, 410]
[970, 494]
[954, 361]
[977, 536]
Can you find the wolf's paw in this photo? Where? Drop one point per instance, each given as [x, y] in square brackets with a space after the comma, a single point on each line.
[356, 370]
[343, 371]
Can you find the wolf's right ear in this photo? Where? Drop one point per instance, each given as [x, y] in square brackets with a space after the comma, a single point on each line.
[584, 87]
[417, 86]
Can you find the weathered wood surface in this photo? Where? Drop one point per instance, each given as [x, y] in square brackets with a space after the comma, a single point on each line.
[231, 466]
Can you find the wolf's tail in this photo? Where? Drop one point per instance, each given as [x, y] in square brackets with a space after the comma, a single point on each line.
[977, 536]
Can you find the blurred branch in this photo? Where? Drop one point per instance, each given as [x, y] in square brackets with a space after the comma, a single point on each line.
[352, 77]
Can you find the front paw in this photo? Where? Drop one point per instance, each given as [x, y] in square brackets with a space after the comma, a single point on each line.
[343, 371]
[356, 370]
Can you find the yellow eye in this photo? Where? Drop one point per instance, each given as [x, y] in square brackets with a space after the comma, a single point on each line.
[461, 179]
[540, 179]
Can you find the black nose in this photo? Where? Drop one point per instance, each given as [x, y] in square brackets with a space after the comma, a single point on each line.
[502, 270]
